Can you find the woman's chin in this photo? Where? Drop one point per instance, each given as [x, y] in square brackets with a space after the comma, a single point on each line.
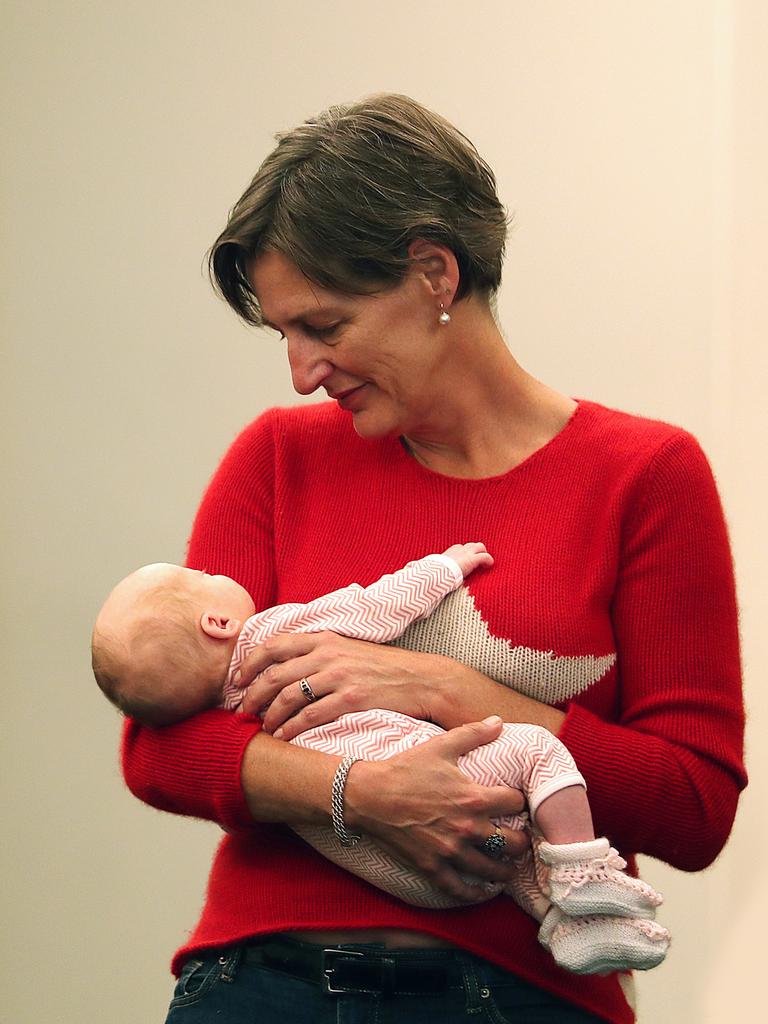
[366, 429]
[371, 427]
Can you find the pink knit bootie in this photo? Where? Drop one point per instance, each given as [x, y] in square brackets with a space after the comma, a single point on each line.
[589, 878]
[600, 945]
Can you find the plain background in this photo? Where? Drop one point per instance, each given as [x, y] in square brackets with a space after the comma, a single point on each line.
[630, 140]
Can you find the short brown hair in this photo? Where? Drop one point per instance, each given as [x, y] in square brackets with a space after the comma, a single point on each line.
[344, 194]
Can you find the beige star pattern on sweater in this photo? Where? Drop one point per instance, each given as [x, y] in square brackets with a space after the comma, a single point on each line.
[457, 630]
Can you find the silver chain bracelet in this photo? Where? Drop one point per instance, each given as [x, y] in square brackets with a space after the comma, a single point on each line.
[337, 803]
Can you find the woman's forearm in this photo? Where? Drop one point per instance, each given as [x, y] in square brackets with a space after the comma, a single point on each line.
[286, 783]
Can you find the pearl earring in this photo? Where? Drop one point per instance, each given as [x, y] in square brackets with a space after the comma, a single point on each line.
[445, 317]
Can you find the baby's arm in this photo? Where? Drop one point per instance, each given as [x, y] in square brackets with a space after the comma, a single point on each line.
[383, 610]
[376, 613]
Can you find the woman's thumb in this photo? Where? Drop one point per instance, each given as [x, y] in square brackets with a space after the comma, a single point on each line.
[464, 738]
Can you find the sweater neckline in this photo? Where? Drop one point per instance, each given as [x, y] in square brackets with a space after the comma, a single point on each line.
[406, 458]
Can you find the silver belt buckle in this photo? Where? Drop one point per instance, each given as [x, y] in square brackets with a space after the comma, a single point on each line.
[328, 969]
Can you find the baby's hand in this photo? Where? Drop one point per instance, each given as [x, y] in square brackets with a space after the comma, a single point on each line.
[469, 557]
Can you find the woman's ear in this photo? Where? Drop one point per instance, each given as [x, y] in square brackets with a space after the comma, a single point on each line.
[438, 266]
[220, 627]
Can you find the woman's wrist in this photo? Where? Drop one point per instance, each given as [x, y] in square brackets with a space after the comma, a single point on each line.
[450, 689]
[286, 783]
[338, 816]
[461, 694]
[433, 682]
[363, 779]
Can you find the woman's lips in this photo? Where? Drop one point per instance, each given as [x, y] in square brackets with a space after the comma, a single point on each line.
[349, 399]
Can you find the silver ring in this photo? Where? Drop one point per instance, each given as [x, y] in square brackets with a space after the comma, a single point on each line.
[307, 690]
[494, 845]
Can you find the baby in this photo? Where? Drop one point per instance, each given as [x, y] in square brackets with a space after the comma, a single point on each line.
[169, 640]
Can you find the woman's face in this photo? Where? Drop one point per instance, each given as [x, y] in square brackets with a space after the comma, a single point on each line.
[378, 355]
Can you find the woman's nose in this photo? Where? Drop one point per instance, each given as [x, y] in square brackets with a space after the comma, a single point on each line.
[308, 366]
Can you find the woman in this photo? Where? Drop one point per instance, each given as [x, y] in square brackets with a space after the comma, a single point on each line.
[371, 239]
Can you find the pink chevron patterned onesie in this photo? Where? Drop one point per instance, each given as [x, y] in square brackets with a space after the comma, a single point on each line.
[526, 757]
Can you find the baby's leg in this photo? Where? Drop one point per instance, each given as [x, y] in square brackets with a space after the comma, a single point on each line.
[527, 757]
[531, 759]
[565, 816]
[581, 875]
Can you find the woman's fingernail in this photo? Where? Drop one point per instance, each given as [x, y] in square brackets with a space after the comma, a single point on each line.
[491, 720]
[278, 734]
[236, 677]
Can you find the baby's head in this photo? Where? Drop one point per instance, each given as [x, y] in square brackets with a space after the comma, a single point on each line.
[163, 641]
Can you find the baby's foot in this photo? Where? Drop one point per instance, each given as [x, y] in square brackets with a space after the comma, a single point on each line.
[589, 878]
[599, 945]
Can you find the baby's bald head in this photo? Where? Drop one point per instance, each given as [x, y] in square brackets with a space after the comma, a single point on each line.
[163, 639]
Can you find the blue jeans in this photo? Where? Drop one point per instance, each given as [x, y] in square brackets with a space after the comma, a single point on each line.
[224, 988]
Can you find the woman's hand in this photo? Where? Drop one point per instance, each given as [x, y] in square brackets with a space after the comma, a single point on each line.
[426, 812]
[344, 674]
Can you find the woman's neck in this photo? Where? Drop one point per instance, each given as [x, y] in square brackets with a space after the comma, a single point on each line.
[491, 421]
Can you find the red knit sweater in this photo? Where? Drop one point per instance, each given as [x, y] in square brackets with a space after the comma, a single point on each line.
[611, 595]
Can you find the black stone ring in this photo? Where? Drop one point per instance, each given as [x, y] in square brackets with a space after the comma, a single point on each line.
[307, 690]
[495, 844]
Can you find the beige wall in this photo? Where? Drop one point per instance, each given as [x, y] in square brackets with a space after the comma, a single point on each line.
[629, 138]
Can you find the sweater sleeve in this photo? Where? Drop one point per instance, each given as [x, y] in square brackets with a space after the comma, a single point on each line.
[193, 767]
[664, 780]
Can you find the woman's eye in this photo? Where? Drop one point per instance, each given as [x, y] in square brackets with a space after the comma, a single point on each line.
[327, 332]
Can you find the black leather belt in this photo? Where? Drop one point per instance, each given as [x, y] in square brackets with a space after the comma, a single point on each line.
[378, 972]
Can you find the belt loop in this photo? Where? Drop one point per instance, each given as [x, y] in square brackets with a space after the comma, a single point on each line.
[471, 986]
[229, 964]
[388, 975]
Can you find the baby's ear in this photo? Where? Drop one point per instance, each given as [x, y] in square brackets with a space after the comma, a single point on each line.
[220, 627]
